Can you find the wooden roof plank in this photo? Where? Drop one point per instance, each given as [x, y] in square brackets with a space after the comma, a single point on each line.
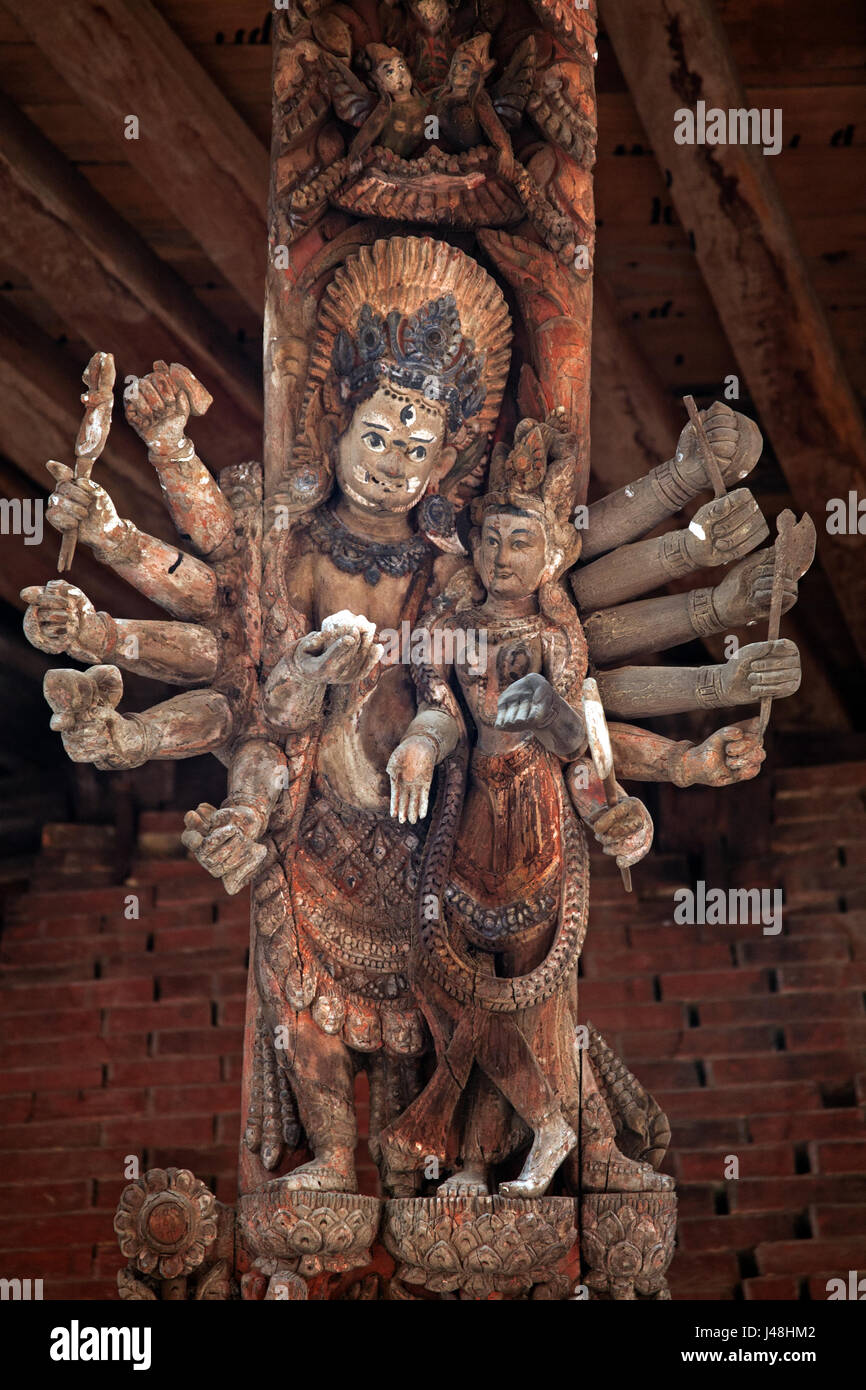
[123, 59]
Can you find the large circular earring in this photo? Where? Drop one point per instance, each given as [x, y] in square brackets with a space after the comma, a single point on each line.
[437, 520]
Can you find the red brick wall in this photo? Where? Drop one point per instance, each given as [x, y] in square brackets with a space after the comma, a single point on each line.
[124, 1037]
[755, 1045]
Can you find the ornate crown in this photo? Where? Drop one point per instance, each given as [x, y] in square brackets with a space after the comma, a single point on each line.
[424, 351]
[536, 476]
[477, 50]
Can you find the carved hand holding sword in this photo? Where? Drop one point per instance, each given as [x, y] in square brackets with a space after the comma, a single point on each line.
[98, 401]
[601, 752]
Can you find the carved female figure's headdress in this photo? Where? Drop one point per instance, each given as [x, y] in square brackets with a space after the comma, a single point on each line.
[536, 476]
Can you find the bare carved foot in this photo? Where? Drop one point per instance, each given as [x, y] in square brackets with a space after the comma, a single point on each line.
[553, 1143]
[330, 1172]
[470, 1181]
[605, 1169]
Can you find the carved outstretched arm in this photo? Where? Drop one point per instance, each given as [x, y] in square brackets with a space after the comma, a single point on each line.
[85, 714]
[60, 618]
[226, 842]
[179, 583]
[158, 407]
[654, 624]
[760, 670]
[634, 510]
[722, 530]
[732, 754]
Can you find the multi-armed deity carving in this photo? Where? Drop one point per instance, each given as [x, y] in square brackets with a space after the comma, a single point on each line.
[386, 637]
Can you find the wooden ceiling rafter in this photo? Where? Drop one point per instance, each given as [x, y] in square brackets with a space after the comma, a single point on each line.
[123, 59]
[101, 277]
[673, 53]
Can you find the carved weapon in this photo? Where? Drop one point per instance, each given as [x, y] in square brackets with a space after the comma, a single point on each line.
[601, 752]
[98, 400]
[714, 472]
[785, 529]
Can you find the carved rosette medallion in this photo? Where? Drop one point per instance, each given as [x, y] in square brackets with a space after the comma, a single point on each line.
[166, 1222]
[170, 1226]
[308, 1233]
[627, 1243]
[482, 1247]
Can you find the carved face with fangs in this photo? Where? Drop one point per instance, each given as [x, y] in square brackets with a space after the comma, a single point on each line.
[393, 449]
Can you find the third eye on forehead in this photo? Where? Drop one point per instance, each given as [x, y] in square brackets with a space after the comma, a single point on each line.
[378, 422]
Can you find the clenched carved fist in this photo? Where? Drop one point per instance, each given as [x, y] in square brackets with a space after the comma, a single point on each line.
[79, 502]
[734, 439]
[624, 831]
[760, 671]
[725, 529]
[226, 842]
[60, 618]
[733, 754]
[158, 405]
[85, 716]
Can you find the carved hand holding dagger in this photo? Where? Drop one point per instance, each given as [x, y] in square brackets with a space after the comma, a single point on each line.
[98, 402]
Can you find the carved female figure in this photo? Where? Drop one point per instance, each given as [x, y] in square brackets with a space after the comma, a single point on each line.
[498, 943]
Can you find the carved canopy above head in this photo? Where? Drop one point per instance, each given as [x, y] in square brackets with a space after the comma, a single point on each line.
[405, 274]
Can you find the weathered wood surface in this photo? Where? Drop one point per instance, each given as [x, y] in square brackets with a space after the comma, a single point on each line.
[122, 58]
[94, 270]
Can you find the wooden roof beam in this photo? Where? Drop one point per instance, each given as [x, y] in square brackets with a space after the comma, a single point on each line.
[674, 53]
[197, 152]
[635, 425]
[101, 278]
